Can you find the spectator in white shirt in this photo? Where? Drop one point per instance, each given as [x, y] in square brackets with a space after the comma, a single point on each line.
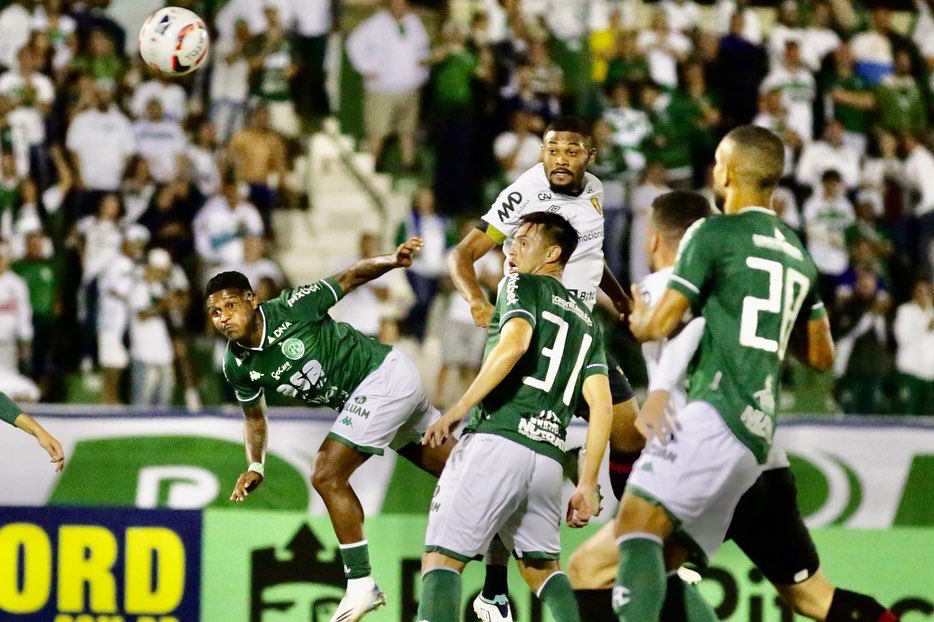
[914, 360]
[827, 214]
[169, 94]
[654, 184]
[202, 158]
[15, 315]
[32, 92]
[518, 149]
[819, 39]
[222, 224]
[798, 89]
[872, 48]
[15, 23]
[160, 141]
[664, 48]
[100, 140]
[389, 49]
[230, 81]
[151, 352]
[751, 24]
[631, 126]
[787, 29]
[830, 153]
[919, 173]
[312, 28]
[256, 266]
[773, 116]
[683, 15]
[61, 29]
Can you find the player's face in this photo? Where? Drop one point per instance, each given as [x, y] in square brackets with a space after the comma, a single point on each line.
[566, 156]
[232, 312]
[530, 250]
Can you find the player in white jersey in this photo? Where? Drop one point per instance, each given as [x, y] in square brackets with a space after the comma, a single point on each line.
[559, 184]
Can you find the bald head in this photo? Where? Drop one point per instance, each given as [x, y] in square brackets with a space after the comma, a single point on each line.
[750, 157]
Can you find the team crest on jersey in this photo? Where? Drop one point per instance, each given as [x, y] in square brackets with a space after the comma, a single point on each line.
[293, 348]
[596, 204]
[553, 208]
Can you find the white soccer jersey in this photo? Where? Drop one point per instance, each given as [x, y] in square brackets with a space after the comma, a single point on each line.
[532, 193]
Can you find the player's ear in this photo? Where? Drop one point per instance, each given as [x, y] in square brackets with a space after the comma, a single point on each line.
[553, 254]
[591, 155]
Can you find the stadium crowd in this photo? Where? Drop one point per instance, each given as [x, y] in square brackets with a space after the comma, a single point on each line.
[122, 192]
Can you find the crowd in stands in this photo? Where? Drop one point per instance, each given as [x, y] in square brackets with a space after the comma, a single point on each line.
[121, 191]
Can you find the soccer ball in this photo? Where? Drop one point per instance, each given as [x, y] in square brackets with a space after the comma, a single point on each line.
[174, 41]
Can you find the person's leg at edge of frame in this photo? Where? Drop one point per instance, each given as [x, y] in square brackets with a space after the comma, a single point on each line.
[551, 585]
[816, 598]
[441, 588]
[641, 530]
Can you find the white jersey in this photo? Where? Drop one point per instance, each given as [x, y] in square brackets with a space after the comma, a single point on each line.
[667, 361]
[115, 284]
[532, 193]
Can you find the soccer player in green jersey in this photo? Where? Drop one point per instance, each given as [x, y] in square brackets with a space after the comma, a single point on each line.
[291, 346]
[14, 415]
[544, 351]
[749, 276]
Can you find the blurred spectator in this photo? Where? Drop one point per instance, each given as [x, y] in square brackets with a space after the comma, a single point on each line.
[748, 23]
[664, 48]
[429, 266]
[15, 22]
[774, 117]
[258, 157]
[160, 141]
[787, 29]
[201, 158]
[388, 49]
[901, 104]
[170, 95]
[256, 266]
[819, 38]
[882, 165]
[739, 68]
[865, 232]
[827, 214]
[169, 218]
[32, 94]
[520, 148]
[177, 303]
[312, 28]
[569, 23]
[797, 86]
[682, 15]
[849, 99]
[519, 94]
[37, 270]
[151, 351]
[230, 83]
[666, 144]
[914, 360]
[627, 65]
[272, 70]
[698, 108]
[222, 225]
[611, 168]
[137, 190]
[546, 78]
[786, 207]
[872, 48]
[919, 173]
[60, 28]
[654, 184]
[630, 126]
[830, 153]
[100, 141]
[16, 331]
[116, 285]
[100, 59]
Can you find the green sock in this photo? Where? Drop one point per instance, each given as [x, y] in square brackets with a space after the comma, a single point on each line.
[640, 583]
[356, 559]
[558, 596]
[696, 607]
[441, 596]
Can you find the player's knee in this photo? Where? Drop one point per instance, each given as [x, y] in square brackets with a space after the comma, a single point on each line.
[811, 598]
[535, 571]
[579, 569]
[624, 436]
[325, 476]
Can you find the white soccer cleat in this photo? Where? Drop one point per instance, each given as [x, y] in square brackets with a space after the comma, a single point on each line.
[496, 611]
[355, 605]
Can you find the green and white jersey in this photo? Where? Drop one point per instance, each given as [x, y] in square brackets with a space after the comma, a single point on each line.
[749, 275]
[533, 405]
[304, 354]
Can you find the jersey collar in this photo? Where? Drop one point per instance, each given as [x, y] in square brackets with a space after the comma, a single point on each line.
[756, 208]
[262, 342]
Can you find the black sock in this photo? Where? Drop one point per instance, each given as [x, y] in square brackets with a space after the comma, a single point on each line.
[620, 467]
[848, 606]
[495, 582]
[673, 609]
[595, 605]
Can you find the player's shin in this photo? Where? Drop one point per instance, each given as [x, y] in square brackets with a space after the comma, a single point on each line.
[558, 596]
[640, 583]
[495, 583]
[848, 606]
[441, 595]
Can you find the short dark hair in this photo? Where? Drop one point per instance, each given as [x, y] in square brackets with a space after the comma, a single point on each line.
[228, 280]
[761, 155]
[831, 174]
[673, 212]
[571, 124]
[558, 231]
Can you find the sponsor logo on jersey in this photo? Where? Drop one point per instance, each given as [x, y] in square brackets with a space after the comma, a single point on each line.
[757, 422]
[347, 421]
[508, 207]
[544, 428]
[595, 234]
[660, 452]
[544, 196]
[282, 368]
[512, 283]
[279, 330]
[293, 348]
[778, 243]
[360, 399]
[300, 292]
[568, 305]
[255, 375]
[357, 409]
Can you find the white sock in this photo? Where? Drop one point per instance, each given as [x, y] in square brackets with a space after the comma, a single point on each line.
[360, 584]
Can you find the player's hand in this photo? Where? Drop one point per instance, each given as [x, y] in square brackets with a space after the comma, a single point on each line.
[247, 483]
[639, 315]
[654, 420]
[584, 505]
[439, 431]
[54, 449]
[482, 312]
[405, 254]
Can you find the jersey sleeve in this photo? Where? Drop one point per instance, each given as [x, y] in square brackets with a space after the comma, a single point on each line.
[9, 411]
[518, 297]
[312, 301]
[813, 303]
[247, 394]
[676, 356]
[502, 219]
[694, 264]
[596, 364]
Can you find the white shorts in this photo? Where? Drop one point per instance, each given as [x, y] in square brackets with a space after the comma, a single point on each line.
[111, 352]
[698, 478]
[388, 409]
[492, 485]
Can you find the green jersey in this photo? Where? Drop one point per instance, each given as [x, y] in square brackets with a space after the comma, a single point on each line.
[749, 275]
[533, 405]
[303, 354]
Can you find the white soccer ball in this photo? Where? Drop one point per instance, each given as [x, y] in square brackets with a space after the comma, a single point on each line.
[174, 41]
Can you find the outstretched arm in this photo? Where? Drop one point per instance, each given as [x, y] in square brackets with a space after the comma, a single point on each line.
[366, 270]
[460, 263]
[254, 441]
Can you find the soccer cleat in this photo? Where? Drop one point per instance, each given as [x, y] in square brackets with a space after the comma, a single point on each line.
[496, 611]
[354, 606]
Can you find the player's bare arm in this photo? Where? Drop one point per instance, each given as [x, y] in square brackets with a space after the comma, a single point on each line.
[514, 341]
[371, 268]
[615, 291]
[585, 503]
[655, 323]
[818, 350]
[48, 442]
[461, 265]
[254, 441]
